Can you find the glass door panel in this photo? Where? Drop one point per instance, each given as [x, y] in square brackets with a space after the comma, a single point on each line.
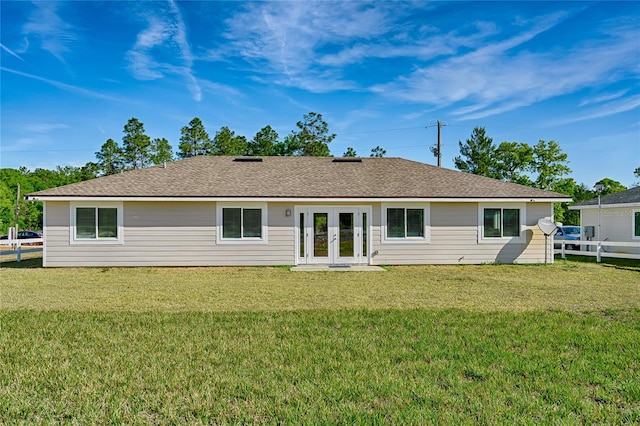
[320, 235]
[345, 232]
[365, 229]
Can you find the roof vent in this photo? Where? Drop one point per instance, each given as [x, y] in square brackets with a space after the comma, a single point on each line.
[248, 160]
[347, 160]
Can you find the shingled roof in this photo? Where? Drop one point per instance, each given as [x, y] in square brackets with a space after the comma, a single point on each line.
[295, 177]
[625, 197]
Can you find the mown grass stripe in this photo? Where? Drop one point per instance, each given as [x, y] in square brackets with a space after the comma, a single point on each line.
[357, 367]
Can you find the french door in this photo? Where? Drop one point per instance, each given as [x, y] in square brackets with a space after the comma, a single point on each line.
[333, 235]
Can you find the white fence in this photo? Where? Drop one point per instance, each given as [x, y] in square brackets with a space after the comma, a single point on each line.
[599, 249]
[17, 245]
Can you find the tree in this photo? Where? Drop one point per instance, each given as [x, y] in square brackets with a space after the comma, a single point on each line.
[378, 152]
[30, 213]
[226, 142]
[289, 147]
[7, 206]
[512, 162]
[636, 173]
[89, 171]
[350, 152]
[136, 144]
[265, 142]
[194, 140]
[313, 137]
[479, 155]
[110, 158]
[161, 151]
[550, 163]
[610, 186]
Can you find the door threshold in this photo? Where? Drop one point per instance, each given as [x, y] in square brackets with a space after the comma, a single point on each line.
[337, 268]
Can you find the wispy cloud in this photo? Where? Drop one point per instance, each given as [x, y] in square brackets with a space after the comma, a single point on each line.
[607, 109]
[54, 34]
[304, 44]
[164, 37]
[10, 52]
[603, 98]
[500, 77]
[44, 127]
[64, 86]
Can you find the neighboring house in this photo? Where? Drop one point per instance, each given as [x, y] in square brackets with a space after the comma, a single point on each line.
[293, 211]
[619, 219]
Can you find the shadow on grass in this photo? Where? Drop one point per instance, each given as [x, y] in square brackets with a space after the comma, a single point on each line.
[24, 264]
[611, 262]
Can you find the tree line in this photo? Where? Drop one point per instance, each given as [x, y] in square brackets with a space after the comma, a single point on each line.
[544, 166]
[311, 138]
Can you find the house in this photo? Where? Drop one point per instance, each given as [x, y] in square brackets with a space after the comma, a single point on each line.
[619, 219]
[210, 210]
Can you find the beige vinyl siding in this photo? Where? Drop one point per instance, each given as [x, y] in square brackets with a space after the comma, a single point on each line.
[184, 234]
[454, 239]
[616, 224]
[169, 234]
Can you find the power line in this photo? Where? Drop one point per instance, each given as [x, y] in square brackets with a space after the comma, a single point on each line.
[380, 130]
[45, 150]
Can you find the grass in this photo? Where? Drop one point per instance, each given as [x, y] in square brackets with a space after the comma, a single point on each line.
[489, 344]
[565, 285]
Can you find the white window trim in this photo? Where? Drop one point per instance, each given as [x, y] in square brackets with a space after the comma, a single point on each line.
[501, 240]
[241, 240]
[406, 240]
[633, 224]
[95, 241]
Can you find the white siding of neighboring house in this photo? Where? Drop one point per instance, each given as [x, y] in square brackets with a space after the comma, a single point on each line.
[616, 224]
[169, 234]
[184, 234]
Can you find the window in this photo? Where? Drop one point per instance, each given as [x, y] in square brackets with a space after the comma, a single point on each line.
[498, 222]
[96, 224]
[242, 223]
[636, 224]
[501, 223]
[406, 223]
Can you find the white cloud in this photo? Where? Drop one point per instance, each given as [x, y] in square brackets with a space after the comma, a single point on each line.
[55, 35]
[608, 109]
[10, 52]
[44, 127]
[603, 98]
[493, 79]
[164, 37]
[303, 44]
[64, 86]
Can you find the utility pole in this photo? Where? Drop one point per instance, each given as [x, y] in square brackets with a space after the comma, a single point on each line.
[437, 150]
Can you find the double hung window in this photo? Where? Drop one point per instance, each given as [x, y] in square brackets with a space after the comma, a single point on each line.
[406, 223]
[500, 222]
[240, 223]
[96, 223]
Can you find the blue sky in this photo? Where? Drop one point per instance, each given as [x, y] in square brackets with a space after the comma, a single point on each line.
[73, 73]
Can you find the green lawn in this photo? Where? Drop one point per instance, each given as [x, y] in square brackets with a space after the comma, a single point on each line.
[490, 344]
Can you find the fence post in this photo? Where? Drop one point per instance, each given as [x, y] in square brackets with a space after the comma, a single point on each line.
[564, 255]
[18, 252]
[598, 248]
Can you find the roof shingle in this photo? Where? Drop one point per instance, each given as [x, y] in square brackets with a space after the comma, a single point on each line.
[625, 197]
[296, 177]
